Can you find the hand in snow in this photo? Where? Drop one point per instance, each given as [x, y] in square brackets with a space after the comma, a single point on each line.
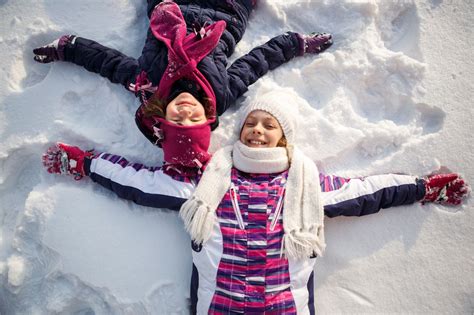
[65, 159]
[447, 189]
[53, 51]
[314, 43]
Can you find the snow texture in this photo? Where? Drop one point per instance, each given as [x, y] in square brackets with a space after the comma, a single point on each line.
[393, 94]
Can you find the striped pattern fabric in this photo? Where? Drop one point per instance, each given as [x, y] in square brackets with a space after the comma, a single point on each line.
[147, 186]
[253, 277]
[331, 182]
[117, 159]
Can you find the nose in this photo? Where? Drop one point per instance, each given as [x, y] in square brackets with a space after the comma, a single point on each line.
[257, 129]
[184, 115]
[185, 112]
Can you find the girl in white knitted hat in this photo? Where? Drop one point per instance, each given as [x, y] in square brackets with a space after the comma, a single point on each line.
[256, 217]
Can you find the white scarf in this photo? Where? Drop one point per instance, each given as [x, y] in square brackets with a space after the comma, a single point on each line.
[303, 215]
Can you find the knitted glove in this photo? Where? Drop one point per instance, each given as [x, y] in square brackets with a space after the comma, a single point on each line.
[53, 51]
[65, 159]
[314, 43]
[446, 189]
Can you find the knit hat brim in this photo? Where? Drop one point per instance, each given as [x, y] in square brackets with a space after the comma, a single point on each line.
[186, 85]
[280, 104]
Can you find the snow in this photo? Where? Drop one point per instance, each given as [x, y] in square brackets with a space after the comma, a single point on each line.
[393, 94]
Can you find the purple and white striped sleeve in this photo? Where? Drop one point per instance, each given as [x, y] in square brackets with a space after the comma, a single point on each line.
[147, 186]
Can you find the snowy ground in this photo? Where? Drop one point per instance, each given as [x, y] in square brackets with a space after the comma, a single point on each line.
[393, 94]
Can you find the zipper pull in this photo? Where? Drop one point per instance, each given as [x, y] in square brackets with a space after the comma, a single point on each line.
[235, 205]
[282, 248]
[279, 206]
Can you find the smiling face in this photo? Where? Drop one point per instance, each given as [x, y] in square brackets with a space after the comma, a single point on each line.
[185, 110]
[261, 130]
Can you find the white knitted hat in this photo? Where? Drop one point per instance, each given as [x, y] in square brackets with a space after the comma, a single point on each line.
[281, 104]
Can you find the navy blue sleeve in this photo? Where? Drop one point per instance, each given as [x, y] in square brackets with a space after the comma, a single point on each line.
[107, 62]
[138, 196]
[249, 68]
[368, 195]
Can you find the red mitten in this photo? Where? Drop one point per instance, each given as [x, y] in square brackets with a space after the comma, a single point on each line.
[447, 189]
[65, 159]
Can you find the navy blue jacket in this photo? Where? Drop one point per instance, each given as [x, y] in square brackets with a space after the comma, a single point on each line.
[228, 83]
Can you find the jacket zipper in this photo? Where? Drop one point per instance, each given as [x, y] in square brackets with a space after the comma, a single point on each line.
[235, 205]
[279, 206]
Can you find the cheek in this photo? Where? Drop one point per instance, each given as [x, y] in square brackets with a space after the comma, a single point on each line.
[277, 136]
[201, 110]
[201, 114]
[170, 110]
[242, 134]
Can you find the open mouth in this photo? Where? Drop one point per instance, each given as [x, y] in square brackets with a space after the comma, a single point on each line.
[256, 142]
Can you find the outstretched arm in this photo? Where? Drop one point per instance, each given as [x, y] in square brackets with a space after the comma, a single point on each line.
[94, 57]
[249, 68]
[147, 186]
[367, 195]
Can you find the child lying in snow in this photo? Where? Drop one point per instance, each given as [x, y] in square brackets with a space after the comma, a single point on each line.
[182, 76]
[256, 215]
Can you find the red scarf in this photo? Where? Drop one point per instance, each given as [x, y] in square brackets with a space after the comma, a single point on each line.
[185, 147]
